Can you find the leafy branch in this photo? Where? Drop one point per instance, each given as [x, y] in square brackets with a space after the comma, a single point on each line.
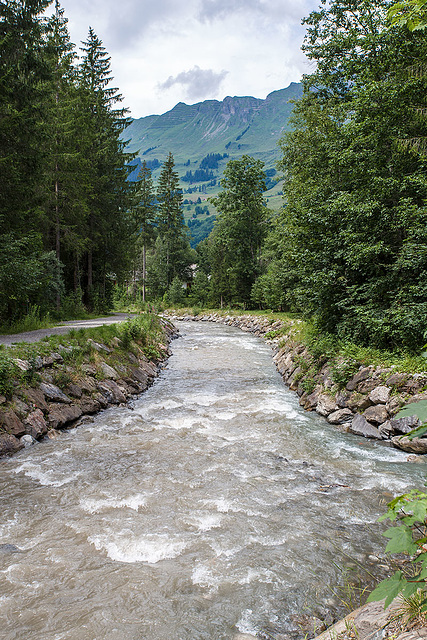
[408, 536]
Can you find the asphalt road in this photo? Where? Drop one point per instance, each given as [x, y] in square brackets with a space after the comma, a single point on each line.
[65, 327]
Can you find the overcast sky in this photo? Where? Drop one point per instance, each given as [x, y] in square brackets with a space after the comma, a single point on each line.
[168, 51]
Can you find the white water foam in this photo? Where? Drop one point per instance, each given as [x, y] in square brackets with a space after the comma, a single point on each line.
[205, 522]
[126, 547]
[96, 505]
[246, 623]
[48, 477]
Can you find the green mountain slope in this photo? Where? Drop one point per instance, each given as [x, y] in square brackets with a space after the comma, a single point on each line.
[237, 125]
[231, 128]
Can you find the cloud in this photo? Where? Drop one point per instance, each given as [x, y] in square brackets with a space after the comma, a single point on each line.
[272, 9]
[199, 83]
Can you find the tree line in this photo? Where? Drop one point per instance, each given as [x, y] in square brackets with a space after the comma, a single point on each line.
[349, 246]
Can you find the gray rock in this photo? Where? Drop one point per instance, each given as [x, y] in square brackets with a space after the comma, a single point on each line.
[358, 402]
[111, 391]
[396, 380]
[341, 416]
[35, 424]
[61, 415]
[326, 405]
[36, 398]
[9, 444]
[376, 414]
[394, 404]
[23, 365]
[417, 459]
[380, 395]
[108, 372]
[27, 441]
[404, 425]
[361, 427]
[89, 405]
[53, 393]
[311, 400]
[386, 430]
[11, 423]
[74, 390]
[362, 374]
[98, 346]
[416, 445]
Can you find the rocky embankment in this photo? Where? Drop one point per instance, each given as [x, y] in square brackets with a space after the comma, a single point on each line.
[363, 400]
[65, 390]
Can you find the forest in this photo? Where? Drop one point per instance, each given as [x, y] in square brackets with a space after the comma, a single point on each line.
[348, 248]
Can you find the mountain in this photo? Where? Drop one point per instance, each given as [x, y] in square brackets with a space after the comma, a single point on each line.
[203, 137]
[237, 125]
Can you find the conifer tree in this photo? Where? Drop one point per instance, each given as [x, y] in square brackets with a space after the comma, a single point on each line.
[144, 217]
[173, 254]
[110, 193]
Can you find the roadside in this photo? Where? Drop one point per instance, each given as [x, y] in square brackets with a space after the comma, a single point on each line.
[63, 328]
[52, 384]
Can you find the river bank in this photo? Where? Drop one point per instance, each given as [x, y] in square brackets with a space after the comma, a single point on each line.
[46, 391]
[361, 399]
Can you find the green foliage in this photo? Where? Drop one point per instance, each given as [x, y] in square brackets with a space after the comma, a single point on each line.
[8, 370]
[351, 241]
[240, 229]
[342, 371]
[408, 536]
[409, 13]
[414, 409]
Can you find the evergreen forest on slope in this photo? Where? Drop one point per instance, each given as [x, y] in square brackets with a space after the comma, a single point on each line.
[347, 245]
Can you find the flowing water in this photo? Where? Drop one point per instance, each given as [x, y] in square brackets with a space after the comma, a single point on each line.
[215, 507]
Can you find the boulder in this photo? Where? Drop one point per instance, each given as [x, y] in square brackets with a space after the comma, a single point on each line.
[98, 346]
[396, 380]
[61, 415]
[362, 374]
[11, 423]
[326, 404]
[358, 402]
[394, 404]
[361, 427]
[111, 391]
[53, 393]
[341, 416]
[35, 424]
[20, 407]
[108, 372]
[376, 414]
[380, 395]
[404, 425]
[74, 390]
[416, 445]
[9, 444]
[89, 405]
[36, 397]
[27, 441]
[311, 400]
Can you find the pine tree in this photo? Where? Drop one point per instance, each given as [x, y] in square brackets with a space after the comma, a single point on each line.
[110, 196]
[144, 217]
[173, 249]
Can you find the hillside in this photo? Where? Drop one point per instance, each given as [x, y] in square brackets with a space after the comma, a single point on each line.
[203, 137]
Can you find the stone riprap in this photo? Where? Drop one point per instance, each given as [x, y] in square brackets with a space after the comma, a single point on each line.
[66, 394]
[364, 404]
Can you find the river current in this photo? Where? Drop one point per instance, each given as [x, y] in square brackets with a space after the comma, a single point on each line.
[215, 507]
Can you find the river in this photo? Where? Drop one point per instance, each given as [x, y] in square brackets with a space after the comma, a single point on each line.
[215, 507]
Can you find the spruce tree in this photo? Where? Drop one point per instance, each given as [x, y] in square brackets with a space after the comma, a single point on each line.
[173, 252]
[144, 213]
[110, 194]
